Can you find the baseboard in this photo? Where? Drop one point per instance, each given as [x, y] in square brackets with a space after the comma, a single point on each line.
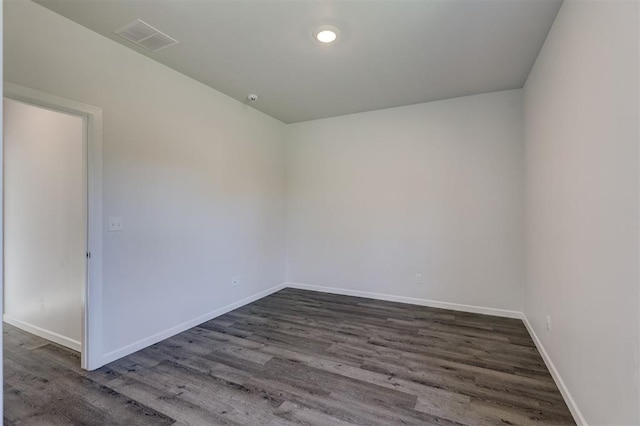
[45, 334]
[410, 300]
[575, 411]
[158, 337]
[568, 399]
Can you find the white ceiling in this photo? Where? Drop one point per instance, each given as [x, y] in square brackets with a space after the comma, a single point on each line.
[389, 52]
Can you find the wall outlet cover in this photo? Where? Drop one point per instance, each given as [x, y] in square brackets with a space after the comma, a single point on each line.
[548, 323]
[115, 224]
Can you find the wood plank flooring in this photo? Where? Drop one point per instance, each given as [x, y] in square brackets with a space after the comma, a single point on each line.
[297, 357]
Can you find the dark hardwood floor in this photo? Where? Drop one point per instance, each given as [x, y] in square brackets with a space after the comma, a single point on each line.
[297, 357]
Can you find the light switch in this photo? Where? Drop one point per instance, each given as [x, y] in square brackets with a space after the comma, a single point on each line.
[115, 224]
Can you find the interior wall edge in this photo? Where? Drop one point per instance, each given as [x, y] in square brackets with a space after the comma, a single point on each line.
[158, 337]
[506, 313]
[564, 390]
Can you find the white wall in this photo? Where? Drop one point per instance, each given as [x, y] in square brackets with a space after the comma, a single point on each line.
[45, 237]
[435, 189]
[197, 177]
[581, 109]
[1, 201]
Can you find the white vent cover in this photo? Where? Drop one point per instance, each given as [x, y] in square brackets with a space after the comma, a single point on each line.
[145, 36]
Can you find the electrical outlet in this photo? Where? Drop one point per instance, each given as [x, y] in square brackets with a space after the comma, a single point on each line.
[235, 281]
[548, 324]
[418, 278]
[115, 224]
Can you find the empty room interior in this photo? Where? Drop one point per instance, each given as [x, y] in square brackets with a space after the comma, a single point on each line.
[321, 212]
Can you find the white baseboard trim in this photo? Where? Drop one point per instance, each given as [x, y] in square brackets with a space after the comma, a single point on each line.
[158, 337]
[45, 334]
[568, 399]
[573, 407]
[410, 300]
[151, 340]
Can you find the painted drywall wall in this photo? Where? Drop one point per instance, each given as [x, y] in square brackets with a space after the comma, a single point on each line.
[581, 109]
[45, 236]
[2, 200]
[434, 189]
[197, 177]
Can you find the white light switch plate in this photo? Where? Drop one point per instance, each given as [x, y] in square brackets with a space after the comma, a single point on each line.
[115, 224]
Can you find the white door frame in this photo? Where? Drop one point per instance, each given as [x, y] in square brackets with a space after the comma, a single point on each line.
[91, 353]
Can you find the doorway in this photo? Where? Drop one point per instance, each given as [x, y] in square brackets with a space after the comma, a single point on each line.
[44, 221]
[52, 219]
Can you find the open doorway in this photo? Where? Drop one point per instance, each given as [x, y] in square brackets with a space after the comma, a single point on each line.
[52, 219]
[45, 236]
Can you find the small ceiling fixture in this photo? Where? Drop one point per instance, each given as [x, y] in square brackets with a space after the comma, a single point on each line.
[252, 97]
[326, 34]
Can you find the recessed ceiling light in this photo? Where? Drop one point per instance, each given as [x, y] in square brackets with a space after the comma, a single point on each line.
[326, 34]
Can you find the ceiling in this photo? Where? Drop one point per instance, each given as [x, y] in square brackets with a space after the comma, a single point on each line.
[389, 52]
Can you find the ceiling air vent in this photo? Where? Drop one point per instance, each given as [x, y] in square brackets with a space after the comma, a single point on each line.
[145, 36]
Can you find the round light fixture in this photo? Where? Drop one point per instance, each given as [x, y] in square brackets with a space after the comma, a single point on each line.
[326, 34]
